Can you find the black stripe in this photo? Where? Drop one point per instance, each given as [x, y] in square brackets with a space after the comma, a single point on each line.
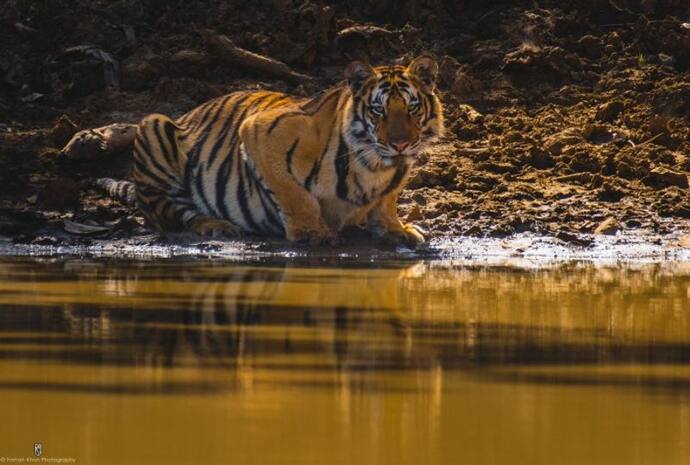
[342, 166]
[400, 172]
[143, 169]
[204, 107]
[280, 117]
[160, 182]
[225, 130]
[269, 210]
[167, 206]
[251, 181]
[169, 128]
[151, 159]
[275, 98]
[187, 176]
[314, 100]
[432, 112]
[313, 173]
[290, 152]
[233, 153]
[206, 131]
[242, 199]
[222, 181]
[198, 182]
[211, 112]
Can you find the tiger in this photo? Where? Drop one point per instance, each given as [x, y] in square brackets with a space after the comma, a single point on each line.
[270, 164]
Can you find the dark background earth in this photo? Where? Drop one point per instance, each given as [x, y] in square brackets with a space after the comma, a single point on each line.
[565, 118]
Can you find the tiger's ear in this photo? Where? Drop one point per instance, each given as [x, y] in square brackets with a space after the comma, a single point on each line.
[425, 68]
[357, 73]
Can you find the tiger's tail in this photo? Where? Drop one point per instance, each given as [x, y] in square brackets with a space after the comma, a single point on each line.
[124, 191]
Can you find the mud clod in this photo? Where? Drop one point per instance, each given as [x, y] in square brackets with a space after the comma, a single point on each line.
[663, 177]
[609, 111]
[63, 130]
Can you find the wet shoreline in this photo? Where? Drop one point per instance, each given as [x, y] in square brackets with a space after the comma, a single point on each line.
[524, 250]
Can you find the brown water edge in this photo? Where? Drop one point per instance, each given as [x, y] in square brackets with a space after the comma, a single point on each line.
[342, 361]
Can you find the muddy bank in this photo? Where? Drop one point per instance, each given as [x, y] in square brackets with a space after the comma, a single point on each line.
[564, 120]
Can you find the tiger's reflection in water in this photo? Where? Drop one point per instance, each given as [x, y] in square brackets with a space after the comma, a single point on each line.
[315, 324]
[272, 316]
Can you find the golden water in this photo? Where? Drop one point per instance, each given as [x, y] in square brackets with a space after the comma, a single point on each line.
[190, 362]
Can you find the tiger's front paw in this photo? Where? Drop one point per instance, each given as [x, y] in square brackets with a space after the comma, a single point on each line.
[316, 235]
[410, 235]
[214, 227]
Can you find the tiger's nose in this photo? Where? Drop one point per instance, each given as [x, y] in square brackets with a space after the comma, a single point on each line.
[400, 146]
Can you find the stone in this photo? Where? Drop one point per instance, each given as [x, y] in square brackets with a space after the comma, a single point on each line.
[609, 226]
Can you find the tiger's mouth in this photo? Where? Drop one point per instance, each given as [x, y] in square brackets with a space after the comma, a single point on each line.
[409, 153]
[388, 158]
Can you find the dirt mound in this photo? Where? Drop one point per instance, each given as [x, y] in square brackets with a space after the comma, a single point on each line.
[563, 119]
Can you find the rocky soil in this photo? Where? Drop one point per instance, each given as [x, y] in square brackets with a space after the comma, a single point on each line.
[566, 119]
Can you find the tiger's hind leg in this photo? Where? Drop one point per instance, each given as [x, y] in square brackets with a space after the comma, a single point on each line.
[159, 168]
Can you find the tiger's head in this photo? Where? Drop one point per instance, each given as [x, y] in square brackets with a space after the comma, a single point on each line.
[394, 111]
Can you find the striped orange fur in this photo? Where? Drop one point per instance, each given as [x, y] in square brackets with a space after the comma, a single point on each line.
[266, 163]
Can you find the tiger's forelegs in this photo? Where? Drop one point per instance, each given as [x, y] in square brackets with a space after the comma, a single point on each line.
[207, 226]
[300, 210]
[384, 221]
[307, 225]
